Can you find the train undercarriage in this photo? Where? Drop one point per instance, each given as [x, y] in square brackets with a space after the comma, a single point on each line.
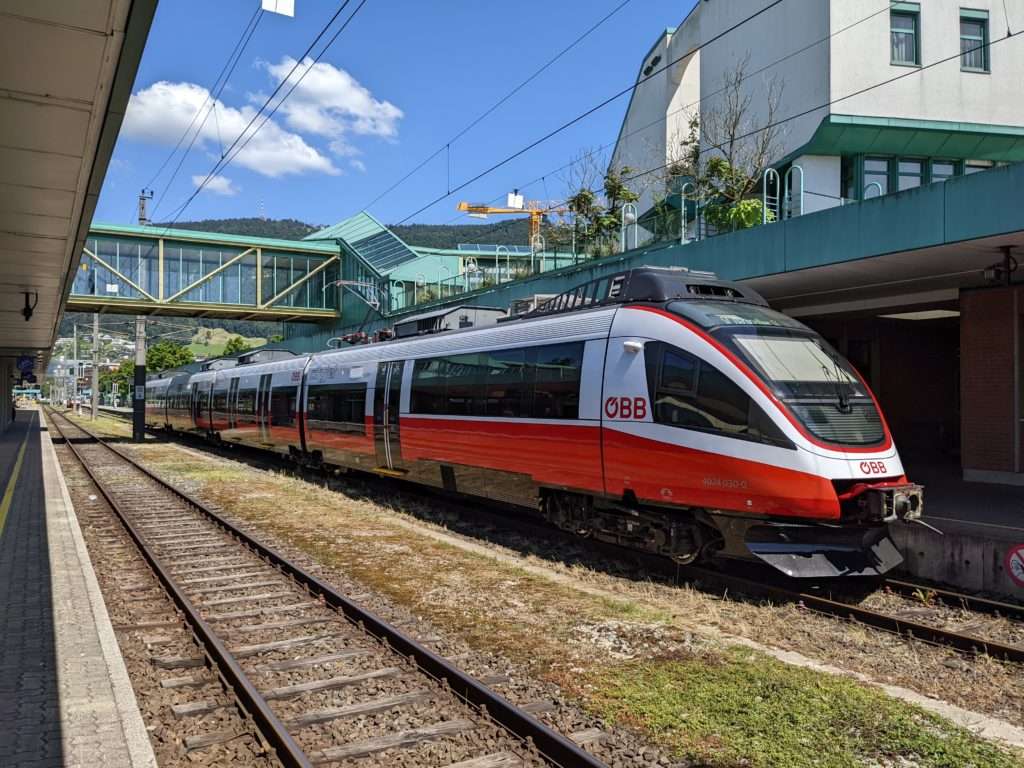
[803, 550]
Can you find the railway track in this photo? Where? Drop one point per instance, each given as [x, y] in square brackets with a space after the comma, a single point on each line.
[910, 620]
[323, 680]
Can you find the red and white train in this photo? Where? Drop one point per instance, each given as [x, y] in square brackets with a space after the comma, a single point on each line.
[660, 409]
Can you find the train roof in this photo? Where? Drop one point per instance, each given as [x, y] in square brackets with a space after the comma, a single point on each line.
[647, 284]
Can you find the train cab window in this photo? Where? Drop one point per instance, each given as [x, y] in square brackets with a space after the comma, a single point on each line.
[337, 407]
[690, 393]
[283, 406]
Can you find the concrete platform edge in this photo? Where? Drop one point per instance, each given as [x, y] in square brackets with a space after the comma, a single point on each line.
[134, 729]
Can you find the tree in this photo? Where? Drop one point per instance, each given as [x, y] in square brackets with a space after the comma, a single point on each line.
[236, 345]
[120, 379]
[727, 150]
[597, 215]
[167, 354]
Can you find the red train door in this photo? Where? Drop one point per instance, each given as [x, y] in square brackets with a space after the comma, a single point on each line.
[387, 395]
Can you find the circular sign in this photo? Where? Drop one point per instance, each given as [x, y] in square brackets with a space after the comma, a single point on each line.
[1015, 564]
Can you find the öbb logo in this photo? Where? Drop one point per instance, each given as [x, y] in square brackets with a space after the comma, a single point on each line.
[872, 467]
[625, 408]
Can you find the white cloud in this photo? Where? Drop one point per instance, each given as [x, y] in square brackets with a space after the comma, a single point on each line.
[330, 102]
[161, 112]
[359, 165]
[219, 185]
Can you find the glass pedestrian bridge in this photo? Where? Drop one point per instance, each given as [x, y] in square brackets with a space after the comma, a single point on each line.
[180, 272]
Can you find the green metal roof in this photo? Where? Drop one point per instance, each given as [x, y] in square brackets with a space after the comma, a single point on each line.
[191, 235]
[377, 245]
[854, 135]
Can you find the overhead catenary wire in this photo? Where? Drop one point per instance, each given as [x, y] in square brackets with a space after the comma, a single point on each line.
[226, 159]
[234, 56]
[831, 102]
[212, 98]
[611, 99]
[490, 110]
[818, 108]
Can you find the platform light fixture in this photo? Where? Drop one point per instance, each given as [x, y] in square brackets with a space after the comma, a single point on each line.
[924, 314]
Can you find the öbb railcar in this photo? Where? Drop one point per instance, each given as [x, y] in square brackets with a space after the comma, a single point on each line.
[659, 409]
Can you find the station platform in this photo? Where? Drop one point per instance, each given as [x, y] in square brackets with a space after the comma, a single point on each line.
[65, 695]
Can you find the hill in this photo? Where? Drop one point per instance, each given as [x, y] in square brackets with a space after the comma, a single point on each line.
[282, 229]
[509, 232]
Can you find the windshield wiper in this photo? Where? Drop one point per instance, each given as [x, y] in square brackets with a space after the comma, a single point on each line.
[843, 400]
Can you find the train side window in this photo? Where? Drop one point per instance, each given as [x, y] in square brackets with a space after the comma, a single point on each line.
[691, 393]
[220, 400]
[245, 404]
[556, 391]
[464, 390]
[428, 384]
[282, 406]
[534, 382]
[506, 384]
[337, 407]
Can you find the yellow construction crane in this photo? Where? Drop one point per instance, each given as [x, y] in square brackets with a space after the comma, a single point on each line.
[535, 209]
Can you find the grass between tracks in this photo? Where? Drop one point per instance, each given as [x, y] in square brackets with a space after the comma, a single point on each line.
[632, 663]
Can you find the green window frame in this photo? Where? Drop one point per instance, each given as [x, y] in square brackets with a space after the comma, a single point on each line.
[909, 173]
[940, 169]
[875, 170]
[897, 174]
[905, 35]
[974, 41]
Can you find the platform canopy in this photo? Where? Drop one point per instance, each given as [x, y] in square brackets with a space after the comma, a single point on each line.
[66, 72]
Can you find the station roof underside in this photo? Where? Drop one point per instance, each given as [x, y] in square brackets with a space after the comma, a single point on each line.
[62, 99]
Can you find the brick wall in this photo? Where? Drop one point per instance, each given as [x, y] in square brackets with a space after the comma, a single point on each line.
[986, 379]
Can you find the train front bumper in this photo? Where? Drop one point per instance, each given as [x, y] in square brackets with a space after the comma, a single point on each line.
[821, 552]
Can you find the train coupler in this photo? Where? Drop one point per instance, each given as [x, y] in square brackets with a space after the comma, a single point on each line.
[892, 503]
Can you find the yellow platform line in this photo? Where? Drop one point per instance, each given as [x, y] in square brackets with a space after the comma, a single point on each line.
[5, 504]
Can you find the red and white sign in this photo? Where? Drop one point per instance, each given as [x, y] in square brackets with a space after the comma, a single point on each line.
[873, 467]
[1015, 564]
[626, 408]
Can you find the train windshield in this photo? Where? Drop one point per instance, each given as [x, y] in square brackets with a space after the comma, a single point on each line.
[817, 385]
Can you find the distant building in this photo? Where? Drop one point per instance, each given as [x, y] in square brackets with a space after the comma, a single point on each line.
[851, 140]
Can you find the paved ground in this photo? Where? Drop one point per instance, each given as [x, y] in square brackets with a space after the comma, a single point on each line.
[65, 697]
[948, 498]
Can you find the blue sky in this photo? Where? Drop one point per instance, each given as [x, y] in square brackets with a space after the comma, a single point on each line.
[404, 78]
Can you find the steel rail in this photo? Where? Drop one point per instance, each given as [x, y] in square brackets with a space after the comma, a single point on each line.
[971, 602]
[552, 745]
[840, 609]
[273, 730]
